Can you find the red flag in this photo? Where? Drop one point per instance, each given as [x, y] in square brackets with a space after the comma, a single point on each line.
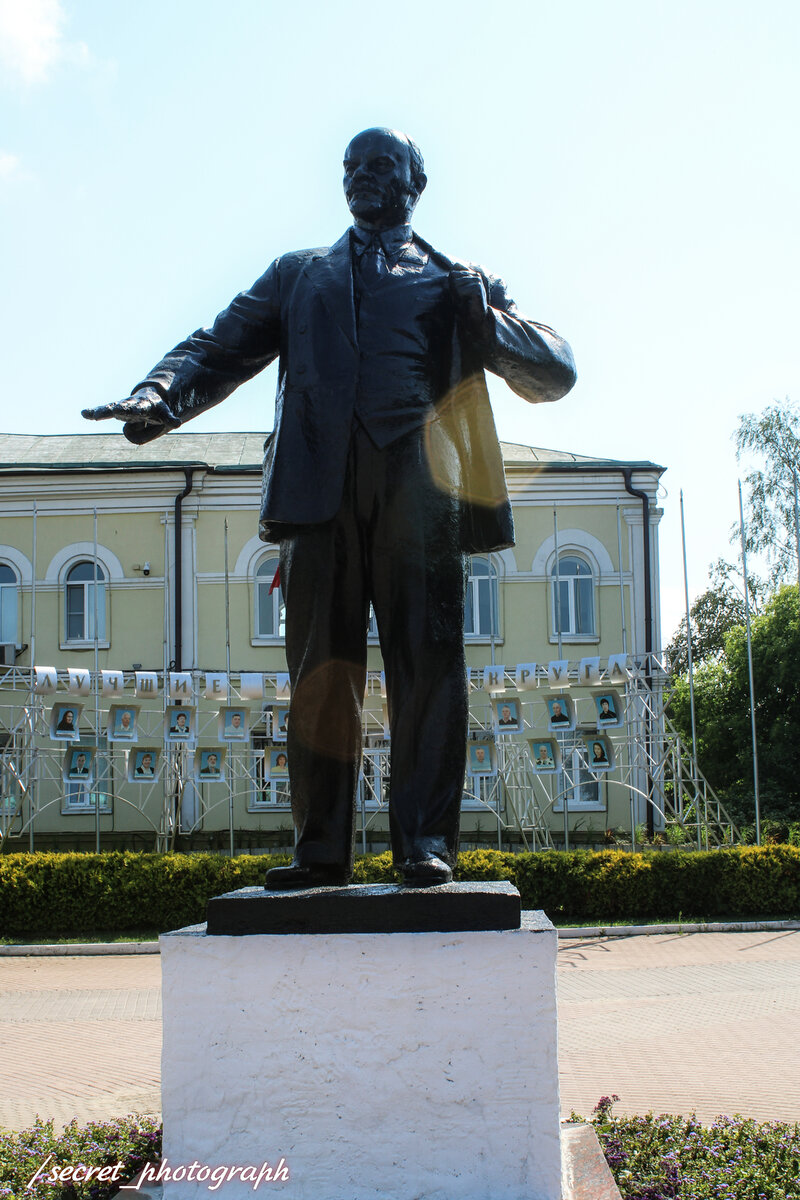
[276, 581]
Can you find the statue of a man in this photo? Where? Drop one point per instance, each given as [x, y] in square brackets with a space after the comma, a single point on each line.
[382, 472]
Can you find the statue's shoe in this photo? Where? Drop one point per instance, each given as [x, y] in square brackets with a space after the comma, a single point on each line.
[295, 876]
[425, 871]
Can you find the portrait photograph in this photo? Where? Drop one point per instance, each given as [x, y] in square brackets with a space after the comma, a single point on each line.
[545, 755]
[143, 763]
[122, 723]
[179, 723]
[280, 723]
[560, 713]
[78, 764]
[481, 758]
[599, 752]
[234, 724]
[507, 716]
[64, 721]
[278, 764]
[209, 766]
[609, 708]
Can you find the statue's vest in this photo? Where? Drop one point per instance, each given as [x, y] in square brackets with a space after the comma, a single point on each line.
[401, 320]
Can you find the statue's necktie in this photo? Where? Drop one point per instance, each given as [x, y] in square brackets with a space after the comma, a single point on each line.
[373, 264]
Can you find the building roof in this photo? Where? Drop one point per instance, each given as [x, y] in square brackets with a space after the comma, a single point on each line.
[27, 452]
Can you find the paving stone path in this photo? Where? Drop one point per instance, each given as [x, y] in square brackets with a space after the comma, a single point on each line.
[705, 1022]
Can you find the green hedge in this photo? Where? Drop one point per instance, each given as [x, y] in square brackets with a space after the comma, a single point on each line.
[67, 895]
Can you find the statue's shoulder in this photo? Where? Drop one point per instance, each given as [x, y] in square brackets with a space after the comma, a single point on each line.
[296, 260]
[300, 258]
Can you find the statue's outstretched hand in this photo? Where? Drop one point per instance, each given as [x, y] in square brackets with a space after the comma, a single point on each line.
[146, 415]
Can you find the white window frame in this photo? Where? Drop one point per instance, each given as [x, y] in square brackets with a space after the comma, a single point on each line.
[473, 593]
[572, 633]
[86, 586]
[265, 795]
[79, 798]
[573, 753]
[482, 793]
[9, 603]
[373, 778]
[260, 580]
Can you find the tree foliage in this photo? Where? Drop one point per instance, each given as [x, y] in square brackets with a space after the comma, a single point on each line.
[722, 704]
[773, 438]
[713, 615]
[770, 441]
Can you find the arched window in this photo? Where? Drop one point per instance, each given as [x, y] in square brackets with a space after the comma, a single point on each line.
[481, 605]
[9, 591]
[573, 597]
[85, 595]
[269, 606]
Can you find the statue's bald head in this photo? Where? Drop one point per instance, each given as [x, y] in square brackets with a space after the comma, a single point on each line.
[384, 176]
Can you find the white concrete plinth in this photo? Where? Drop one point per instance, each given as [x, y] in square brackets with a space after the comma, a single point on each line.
[400, 1065]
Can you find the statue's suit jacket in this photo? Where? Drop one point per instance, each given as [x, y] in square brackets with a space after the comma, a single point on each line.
[302, 311]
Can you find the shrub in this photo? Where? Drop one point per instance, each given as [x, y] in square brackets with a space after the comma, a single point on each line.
[67, 895]
[132, 1141]
[677, 1158]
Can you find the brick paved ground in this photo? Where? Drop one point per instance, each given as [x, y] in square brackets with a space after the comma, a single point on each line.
[701, 1021]
[80, 1037]
[706, 1022]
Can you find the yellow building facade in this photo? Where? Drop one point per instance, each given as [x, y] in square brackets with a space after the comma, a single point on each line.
[132, 581]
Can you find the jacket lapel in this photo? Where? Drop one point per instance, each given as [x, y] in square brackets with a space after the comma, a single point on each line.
[331, 274]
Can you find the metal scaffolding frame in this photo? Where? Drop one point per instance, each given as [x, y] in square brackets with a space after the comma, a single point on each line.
[652, 766]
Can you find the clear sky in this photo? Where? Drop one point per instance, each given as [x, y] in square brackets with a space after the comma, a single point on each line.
[630, 168]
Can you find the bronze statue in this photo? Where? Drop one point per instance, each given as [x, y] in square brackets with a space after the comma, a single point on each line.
[382, 472]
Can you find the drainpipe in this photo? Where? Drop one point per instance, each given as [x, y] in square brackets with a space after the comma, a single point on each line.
[648, 625]
[178, 552]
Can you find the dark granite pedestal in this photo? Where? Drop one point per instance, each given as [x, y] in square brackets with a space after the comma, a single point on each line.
[371, 908]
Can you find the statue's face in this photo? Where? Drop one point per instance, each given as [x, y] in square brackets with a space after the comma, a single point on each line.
[377, 180]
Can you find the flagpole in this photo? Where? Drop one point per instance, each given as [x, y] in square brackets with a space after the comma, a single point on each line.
[174, 767]
[691, 673]
[750, 668]
[228, 676]
[621, 584]
[558, 583]
[34, 797]
[96, 692]
[557, 614]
